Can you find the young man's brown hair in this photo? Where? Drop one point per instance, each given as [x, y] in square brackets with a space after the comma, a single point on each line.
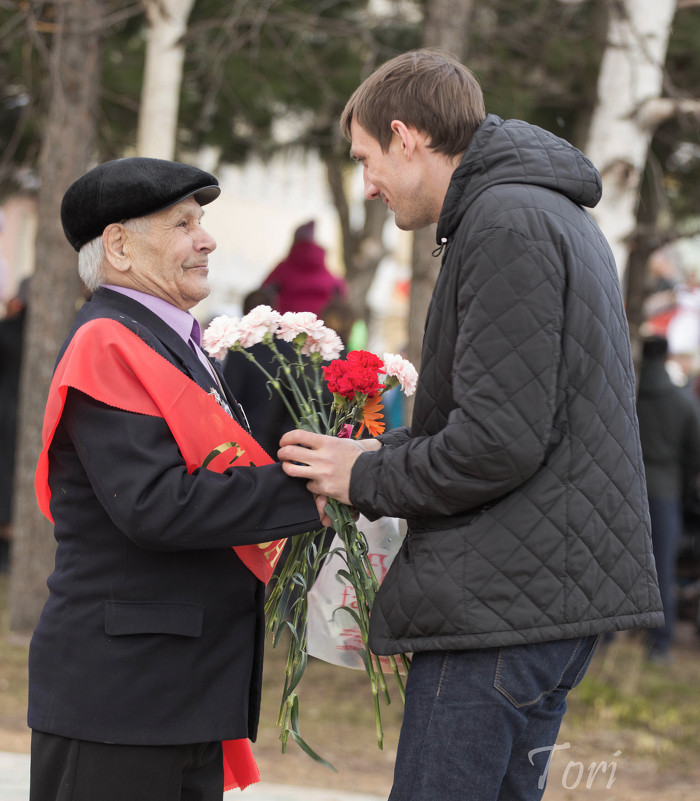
[426, 89]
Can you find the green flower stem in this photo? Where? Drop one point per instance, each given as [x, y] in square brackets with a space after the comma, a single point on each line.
[318, 390]
[299, 572]
[286, 712]
[363, 579]
[340, 416]
[397, 675]
[306, 410]
[299, 383]
[294, 573]
[273, 382]
[314, 406]
[295, 576]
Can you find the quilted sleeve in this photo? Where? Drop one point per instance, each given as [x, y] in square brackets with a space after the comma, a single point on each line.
[504, 387]
[395, 436]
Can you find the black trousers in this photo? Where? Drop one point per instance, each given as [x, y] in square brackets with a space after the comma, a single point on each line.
[76, 770]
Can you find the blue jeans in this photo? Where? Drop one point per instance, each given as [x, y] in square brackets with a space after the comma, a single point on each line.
[474, 720]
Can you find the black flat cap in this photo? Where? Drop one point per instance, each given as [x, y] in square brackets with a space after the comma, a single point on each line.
[127, 188]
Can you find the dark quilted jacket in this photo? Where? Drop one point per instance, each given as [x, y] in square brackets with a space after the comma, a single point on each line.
[522, 478]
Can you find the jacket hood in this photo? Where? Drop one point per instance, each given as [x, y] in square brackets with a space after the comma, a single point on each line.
[513, 151]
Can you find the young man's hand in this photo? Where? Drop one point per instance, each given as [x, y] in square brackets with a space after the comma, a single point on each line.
[326, 461]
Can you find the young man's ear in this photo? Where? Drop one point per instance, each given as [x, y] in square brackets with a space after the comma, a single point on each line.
[406, 136]
[114, 239]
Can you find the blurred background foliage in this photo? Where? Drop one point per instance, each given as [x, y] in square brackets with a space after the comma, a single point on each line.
[260, 76]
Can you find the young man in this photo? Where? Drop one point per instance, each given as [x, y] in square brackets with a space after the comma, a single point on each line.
[521, 475]
[148, 652]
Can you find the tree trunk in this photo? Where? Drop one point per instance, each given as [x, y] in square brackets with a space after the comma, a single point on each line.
[363, 249]
[445, 26]
[66, 150]
[631, 75]
[160, 95]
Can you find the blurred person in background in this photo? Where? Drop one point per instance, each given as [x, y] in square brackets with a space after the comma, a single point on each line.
[11, 347]
[302, 282]
[669, 429]
[338, 315]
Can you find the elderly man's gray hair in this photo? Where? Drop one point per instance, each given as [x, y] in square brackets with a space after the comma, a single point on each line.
[91, 256]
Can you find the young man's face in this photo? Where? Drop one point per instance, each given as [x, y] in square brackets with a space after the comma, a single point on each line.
[170, 260]
[394, 178]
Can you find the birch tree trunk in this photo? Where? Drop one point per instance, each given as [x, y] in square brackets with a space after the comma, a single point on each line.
[630, 78]
[67, 149]
[160, 95]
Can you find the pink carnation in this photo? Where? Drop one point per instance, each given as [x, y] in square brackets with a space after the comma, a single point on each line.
[259, 321]
[402, 370]
[324, 341]
[220, 335]
[292, 324]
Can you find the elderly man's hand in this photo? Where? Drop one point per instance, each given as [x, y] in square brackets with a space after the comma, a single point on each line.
[326, 461]
[321, 502]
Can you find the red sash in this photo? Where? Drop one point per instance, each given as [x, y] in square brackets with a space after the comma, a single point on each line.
[110, 363]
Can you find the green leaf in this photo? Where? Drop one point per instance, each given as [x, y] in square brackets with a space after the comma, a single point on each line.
[297, 674]
[299, 740]
[306, 748]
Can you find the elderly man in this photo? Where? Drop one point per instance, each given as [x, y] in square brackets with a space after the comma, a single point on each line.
[146, 662]
[521, 476]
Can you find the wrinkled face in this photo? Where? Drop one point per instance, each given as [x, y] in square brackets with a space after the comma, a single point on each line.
[394, 178]
[170, 259]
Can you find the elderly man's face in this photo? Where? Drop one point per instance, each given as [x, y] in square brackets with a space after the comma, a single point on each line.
[170, 259]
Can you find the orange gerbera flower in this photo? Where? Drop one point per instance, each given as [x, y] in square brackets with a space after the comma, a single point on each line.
[371, 417]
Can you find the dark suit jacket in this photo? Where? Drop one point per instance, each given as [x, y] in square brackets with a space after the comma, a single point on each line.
[153, 630]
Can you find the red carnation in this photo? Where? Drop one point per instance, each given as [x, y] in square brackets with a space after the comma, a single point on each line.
[335, 375]
[366, 359]
[364, 380]
[346, 378]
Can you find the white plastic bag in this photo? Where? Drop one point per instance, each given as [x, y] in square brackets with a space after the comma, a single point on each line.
[332, 633]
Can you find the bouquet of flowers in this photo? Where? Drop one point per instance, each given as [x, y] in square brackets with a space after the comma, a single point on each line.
[306, 386]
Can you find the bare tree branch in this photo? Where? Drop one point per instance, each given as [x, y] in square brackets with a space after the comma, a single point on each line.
[657, 110]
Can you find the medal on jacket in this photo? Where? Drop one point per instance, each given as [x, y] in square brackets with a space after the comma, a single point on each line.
[221, 401]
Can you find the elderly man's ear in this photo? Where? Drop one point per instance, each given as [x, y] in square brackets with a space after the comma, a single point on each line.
[114, 239]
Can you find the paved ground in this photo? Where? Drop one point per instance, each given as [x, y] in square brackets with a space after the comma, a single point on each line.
[14, 786]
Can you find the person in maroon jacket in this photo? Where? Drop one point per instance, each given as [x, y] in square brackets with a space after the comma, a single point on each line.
[302, 282]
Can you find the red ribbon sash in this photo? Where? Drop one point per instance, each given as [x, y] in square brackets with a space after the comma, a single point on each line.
[113, 365]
